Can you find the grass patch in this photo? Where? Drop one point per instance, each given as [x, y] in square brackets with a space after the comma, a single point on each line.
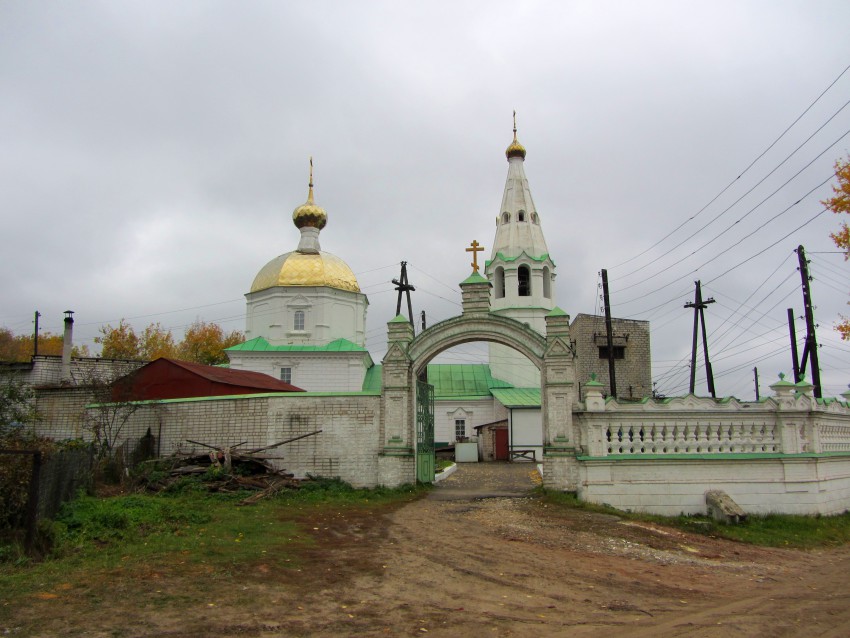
[189, 534]
[772, 530]
[442, 464]
[776, 530]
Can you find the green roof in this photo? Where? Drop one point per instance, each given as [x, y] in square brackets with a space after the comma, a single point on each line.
[475, 278]
[372, 380]
[518, 397]
[464, 382]
[503, 257]
[261, 345]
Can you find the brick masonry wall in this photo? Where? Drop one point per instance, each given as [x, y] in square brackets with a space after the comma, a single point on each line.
[787, 454]
[634, 372]
[347, 447]
[47, 370]
[759, 486]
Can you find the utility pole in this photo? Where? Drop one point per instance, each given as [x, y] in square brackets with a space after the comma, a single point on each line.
[35, 335]
[810, 350]
[756, 375]
[699, 319]
[404, 287]
[609, 333]
[795, 361]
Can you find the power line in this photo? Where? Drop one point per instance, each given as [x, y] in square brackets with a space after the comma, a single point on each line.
[744, 172]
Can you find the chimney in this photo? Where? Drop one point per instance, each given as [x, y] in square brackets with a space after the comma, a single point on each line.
[67, 343]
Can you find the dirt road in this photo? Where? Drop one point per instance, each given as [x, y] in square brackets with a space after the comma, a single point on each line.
[481, 556]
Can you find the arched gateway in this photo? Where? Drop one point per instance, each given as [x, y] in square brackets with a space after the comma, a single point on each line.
[405, 411]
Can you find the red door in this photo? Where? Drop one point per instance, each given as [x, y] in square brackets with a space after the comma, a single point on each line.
[501, 444]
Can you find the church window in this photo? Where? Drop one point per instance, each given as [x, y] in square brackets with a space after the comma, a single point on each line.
[534, 218]
[500, 283]
[460, 429]
[286, 375]
[298, 323]
[505, 218]
[521, 216]
[523, 282]
[547, 283]
[619, 352]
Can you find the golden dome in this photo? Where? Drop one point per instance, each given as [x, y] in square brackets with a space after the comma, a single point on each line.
[515, 149]
[306, 269]
[309, 214]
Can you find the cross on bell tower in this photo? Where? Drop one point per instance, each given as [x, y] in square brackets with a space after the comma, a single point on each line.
[474, 248]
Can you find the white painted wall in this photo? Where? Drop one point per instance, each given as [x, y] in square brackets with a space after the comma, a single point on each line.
[311, 371]
[477, 412]
[525, 431]
[329, 314]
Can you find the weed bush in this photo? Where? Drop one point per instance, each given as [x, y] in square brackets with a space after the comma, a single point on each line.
[16, 472]
[123, 518]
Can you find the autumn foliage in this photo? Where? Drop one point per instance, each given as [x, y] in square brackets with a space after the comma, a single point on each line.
[20, 347]
[203, 342]
[840, 203]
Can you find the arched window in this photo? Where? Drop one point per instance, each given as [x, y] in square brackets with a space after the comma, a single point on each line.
[500, 283]
[547, 283]
[298, 323]
[534, 218]
[506, 218]
[523, 276]
[521, 216]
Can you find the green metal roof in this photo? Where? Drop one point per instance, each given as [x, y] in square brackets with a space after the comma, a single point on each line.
[372, 380]
[261, 345]
[503, 257]
[462, 380]
[517, 397]
[475, 278]
[465, 382]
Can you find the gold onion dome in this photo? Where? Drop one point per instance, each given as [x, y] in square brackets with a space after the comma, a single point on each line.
[515, 149]
[309, 214]
[307, 265]
[306, 269]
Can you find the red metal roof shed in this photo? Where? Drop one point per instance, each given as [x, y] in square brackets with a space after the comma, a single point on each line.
[172, 379]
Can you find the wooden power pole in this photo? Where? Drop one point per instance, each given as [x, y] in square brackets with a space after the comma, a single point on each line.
[404, 287]
[699, 307]
[810, 349]
[610, 334]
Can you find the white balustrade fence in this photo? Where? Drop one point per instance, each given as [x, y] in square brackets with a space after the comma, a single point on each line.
[695, 437]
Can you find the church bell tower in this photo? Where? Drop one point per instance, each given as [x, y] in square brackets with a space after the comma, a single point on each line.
[520, 270]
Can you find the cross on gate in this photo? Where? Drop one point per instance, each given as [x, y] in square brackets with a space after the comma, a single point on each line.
[474, 248]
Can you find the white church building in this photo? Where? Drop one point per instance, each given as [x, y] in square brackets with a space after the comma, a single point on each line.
[544, 396]
[306, 325]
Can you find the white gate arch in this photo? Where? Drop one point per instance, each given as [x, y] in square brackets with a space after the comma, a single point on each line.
[407, 357]
[476, 327]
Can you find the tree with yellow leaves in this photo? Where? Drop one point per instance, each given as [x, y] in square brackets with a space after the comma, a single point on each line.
[203, 343]
[840, 203]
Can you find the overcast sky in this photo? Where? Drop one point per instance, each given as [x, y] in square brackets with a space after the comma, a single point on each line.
[151, 154]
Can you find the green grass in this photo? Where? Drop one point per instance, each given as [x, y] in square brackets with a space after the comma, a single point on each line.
[199, 534]
[772, 530]
[442, 464]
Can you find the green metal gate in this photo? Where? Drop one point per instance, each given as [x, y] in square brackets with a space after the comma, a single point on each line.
[424, 432]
